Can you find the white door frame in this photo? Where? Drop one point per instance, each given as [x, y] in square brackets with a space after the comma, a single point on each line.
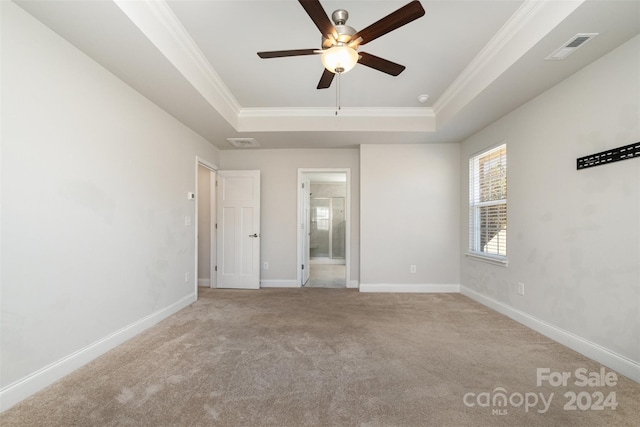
[300, 216]
[212, 250]
[305, 252]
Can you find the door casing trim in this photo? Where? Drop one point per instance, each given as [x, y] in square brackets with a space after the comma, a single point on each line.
[299, 216]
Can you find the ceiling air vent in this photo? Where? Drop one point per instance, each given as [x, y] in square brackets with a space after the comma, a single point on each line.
[569, 47]
[243, 142]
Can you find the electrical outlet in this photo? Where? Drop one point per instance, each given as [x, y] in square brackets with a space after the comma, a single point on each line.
[186, 277]
[520, 288]
[265, 265]
[412, 268]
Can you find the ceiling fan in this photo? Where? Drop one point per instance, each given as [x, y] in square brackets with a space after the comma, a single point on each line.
[340, 42]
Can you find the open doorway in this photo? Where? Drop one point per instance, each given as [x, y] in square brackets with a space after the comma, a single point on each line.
[205, 275]
[323, 227]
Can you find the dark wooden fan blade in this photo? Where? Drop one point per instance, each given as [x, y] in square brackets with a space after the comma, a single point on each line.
[326, 79]
[380, 64]
[283, 53]
[395, 20]
[319, 17]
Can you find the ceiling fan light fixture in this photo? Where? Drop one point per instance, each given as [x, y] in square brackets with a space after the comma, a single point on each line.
[339, 59]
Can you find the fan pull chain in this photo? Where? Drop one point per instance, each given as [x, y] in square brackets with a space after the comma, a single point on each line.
[338, 94]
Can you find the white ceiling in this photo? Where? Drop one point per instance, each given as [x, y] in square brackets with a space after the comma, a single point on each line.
[476, 59]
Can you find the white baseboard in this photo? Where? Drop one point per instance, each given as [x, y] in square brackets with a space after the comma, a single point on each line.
[615, 361]
[404, 288]
[279, 284]
[25, 387]
[205, 283]
[353, 284]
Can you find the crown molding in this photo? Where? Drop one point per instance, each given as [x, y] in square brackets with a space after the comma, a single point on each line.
[347, 119]
[161, 26]
[530, 24]
[416, 112]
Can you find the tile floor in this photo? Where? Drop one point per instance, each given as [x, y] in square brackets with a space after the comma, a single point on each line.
[326, 276]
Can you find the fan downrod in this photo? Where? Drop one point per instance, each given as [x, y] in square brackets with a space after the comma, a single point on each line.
[339, 17]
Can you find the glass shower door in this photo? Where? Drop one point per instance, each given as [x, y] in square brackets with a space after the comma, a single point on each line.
[338, 235]
[328, 228]
[320, 227]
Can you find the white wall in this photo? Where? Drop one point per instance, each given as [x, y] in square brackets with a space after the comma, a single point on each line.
[574, 236]
[410, 203]
[94, 198]
[279, 208]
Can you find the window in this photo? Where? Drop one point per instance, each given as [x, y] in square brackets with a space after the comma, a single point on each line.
[488, 204]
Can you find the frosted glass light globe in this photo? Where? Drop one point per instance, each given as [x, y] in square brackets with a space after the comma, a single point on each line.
[339, 59]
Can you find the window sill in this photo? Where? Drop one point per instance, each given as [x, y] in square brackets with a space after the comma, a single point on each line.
[502, 262]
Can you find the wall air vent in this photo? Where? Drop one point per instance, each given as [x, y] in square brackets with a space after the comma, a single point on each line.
[243, 142]
[570, 46]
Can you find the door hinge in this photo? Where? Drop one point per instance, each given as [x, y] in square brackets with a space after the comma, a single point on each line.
[303, 266]
[215, 268]
[216, 226]
[303, 185]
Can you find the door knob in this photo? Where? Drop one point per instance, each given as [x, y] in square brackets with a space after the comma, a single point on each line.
[253, 235]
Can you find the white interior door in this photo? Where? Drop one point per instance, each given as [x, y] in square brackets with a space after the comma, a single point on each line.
[238, 261]
[306, 228]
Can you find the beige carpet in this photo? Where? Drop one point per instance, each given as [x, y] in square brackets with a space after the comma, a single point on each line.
[328, 357]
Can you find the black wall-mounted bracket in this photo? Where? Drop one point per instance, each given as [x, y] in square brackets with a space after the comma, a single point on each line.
[614, 155]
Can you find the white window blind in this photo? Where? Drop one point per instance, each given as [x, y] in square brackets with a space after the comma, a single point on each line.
[488, 203]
